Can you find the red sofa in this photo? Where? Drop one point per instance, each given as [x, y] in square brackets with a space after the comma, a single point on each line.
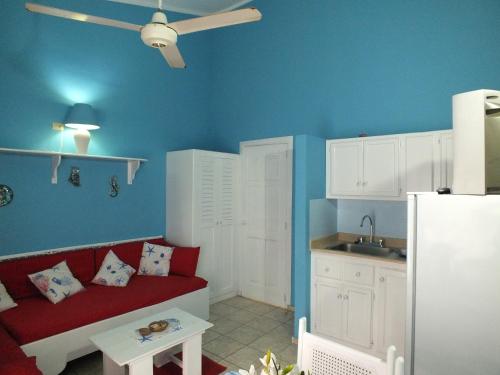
[36, 319]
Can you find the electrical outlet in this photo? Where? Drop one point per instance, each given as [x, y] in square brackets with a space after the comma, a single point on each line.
[57, 126]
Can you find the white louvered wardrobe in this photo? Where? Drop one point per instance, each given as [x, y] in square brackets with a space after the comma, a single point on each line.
[202, 195]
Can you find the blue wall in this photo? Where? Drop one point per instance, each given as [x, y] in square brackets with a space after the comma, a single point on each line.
[145, 109]
[309, 183]
[336, 68]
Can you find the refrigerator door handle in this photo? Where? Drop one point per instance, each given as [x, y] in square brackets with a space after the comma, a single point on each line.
[410, 284]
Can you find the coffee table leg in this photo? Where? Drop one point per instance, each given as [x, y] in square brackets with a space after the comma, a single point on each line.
[142, 366]
[191, 356]
[110, 367]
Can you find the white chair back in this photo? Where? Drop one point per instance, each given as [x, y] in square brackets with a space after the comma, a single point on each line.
[319, 356]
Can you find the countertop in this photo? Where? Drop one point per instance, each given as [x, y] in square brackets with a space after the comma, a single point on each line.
[320, 245]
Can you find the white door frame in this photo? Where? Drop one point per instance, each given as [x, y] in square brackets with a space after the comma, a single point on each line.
[289, 192]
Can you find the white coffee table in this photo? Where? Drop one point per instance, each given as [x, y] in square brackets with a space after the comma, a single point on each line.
[120, 347]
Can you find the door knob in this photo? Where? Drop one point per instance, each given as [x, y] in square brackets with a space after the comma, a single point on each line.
[382, 279]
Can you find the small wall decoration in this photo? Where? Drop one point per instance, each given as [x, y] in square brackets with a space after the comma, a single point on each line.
[74, 176]
[115, 188]
[6, 195]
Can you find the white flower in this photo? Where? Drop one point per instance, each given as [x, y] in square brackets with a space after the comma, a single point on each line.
[249, 372]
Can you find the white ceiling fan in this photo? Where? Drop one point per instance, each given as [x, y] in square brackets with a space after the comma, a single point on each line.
[160, 33]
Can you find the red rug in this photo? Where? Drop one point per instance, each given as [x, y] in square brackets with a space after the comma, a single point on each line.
[208, 367]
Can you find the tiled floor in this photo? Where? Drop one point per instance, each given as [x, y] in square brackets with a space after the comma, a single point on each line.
[243, 331]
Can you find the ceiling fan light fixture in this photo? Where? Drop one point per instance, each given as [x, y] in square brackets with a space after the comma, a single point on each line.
[158, 35]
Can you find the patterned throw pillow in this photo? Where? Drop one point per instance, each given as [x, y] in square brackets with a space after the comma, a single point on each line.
[155, 260]
[113, 271]
[6, 301]
[56, 283]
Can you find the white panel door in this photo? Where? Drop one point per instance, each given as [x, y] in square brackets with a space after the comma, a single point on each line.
[419, 160]
[380, 166]
[327, 308]
[390, 310]
[358, 314]
[266, 209]
[345, 167]
[447, 159]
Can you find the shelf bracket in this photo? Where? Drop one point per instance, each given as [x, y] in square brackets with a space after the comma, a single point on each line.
[56, 162]
[132, 168]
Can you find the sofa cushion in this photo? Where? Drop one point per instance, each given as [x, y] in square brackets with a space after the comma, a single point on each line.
[6, 301]
[36, 318]
[155, 260]
[15, 271]
[56, 283]
[25, 366]
[184, 261]
[113, 271]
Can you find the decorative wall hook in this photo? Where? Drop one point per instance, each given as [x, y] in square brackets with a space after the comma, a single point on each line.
[74, 176]
[115, 188]
[6, 195]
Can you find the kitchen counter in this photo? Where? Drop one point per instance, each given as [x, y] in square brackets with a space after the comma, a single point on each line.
[321, 245]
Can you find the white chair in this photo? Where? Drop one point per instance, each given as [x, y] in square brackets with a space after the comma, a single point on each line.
[320, 356]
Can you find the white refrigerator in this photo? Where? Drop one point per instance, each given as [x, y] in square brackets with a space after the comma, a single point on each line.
[453, 310]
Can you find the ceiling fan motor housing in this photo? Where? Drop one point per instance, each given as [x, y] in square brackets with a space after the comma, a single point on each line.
[157, 34]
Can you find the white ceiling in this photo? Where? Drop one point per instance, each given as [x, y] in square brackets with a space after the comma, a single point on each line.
[196, 7]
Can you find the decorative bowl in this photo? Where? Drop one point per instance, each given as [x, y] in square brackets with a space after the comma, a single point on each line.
[158, 326]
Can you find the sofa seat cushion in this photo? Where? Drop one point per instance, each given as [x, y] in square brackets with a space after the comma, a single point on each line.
[9, 348]
[15, 271]
[36, 318]
[25, 366]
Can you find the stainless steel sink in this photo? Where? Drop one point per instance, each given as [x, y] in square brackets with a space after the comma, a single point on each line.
[369, 249]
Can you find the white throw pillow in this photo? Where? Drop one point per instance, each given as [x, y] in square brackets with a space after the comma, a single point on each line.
[155, 260]
[113, 271]
[6, 301]
[56, 283]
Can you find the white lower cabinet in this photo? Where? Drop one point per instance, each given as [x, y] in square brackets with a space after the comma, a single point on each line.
[361, 304]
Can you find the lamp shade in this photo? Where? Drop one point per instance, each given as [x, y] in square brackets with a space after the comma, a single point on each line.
[81, 116]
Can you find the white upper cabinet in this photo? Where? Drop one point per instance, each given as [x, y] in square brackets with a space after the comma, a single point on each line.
[345, 167]
[380, 166]
[387, 167]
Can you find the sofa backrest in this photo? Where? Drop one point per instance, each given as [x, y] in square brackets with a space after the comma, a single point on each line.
[14, 272]
[129, 252]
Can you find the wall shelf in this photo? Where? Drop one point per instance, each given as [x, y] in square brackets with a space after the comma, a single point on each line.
[133, 164]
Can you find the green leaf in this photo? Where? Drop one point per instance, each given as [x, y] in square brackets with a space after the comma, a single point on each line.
[288, 369]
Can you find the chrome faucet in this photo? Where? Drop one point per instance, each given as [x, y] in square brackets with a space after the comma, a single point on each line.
[371, 226]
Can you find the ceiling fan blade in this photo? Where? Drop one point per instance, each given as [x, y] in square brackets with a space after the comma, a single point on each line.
[173, 56]
[36, 8]
[216, 20]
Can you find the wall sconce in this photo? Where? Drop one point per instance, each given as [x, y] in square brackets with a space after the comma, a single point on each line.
[82, 118]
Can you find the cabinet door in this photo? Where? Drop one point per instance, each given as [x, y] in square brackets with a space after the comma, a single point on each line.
[380, 166]
[206, 261]
[344, 166]
[358, 315]
[447, 159]
[421, 151]
[390, 310]
[225, 233]
[327, 308]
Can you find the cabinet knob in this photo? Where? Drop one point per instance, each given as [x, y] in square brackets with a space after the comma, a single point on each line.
[358, 274]
[327, 269]
[339, 296]
[346, 296]
[365, 183]
[382, 279]
[358, 183]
